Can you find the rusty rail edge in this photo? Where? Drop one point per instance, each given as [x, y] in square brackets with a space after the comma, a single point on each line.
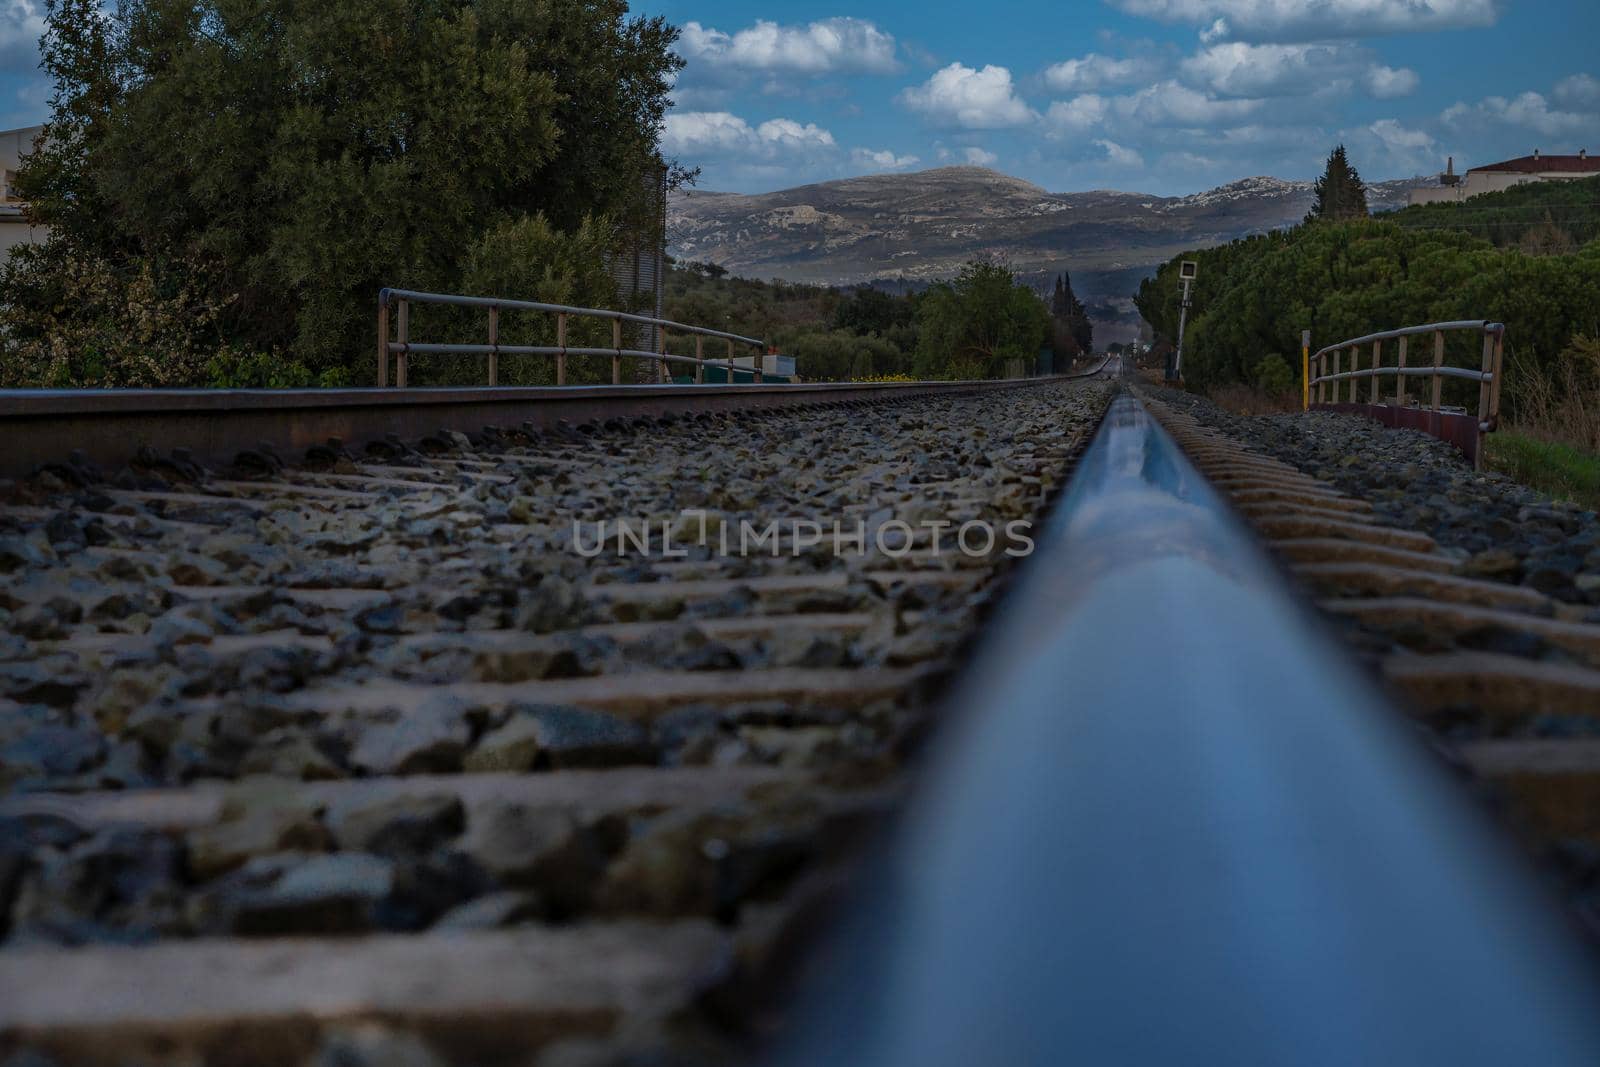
[109, 425]
[1235, 856]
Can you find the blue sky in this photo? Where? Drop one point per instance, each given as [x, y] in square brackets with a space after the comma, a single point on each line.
[1162, 96]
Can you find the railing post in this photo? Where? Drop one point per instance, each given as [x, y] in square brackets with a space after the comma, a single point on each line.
[616, 360]
[1338, 366]
[761, 363]
[1485, 390]
[1355, 365]
[1377, 361]
[561, 343]
[1400, 385]
[383, 343]
[730, 361]
[1499, 373]
[1438, 361]
[404, 358]
[700, 359]
[494, 347]
[661, 364]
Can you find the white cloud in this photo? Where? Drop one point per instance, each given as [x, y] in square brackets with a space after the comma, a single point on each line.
[1529, 112]
[1172, 104]
[1581, 92]
[881, 160]
[1217, 31]
[1399, 149]
[1119, 155]
[1095, 71]
[1387, 83]
[1081, 113]
[697, 135]
[979, 157]
[1274, 70]
[828, 46]
[21, 24]
[1311, 20]
[970, 99]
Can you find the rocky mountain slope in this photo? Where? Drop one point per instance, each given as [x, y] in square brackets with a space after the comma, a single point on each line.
[916, 228]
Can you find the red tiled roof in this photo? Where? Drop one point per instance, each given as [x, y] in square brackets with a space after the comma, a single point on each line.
[1546, 165]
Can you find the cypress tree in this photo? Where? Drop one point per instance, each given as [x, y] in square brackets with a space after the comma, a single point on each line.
[1340, 193]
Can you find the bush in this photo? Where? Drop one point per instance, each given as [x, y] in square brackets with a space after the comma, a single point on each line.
[1272, 375]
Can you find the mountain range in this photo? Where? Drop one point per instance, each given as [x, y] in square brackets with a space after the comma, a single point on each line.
[900, 230]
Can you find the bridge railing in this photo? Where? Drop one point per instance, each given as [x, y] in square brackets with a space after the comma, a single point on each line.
[394, 316]
[1327, 376]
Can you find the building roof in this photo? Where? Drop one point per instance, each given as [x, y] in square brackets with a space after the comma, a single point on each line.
[1543, 164]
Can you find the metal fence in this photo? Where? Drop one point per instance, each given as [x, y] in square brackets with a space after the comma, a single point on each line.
[1327, 377]
[394, 311]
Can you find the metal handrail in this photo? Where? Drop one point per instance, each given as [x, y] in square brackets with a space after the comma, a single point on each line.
[1170, 822]
[1488, 376]
[403, 346]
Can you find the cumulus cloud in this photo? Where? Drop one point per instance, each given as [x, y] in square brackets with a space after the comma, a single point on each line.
[21, 25]
[828, 46]
[697, 135]
[1172, 104]
[1305, 20]
[1529, 112]
[1076, 115]
[960, 96]
[1387, 83]
[1120, 156]
[1398, 148]
[1580, 92]
[979, 157]
[881, 160]
[1239, 69]
[1095, 71]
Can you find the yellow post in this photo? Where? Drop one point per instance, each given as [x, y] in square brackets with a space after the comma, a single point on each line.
[1305, 370]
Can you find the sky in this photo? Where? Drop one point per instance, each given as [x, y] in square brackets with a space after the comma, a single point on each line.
[1158, 96]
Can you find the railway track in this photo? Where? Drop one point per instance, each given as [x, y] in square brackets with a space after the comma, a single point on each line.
[391, 756]
[566, 793]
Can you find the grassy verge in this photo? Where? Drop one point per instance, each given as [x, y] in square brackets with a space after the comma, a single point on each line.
[1557, 469]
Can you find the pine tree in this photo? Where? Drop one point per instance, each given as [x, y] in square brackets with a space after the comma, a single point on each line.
[1340, 192]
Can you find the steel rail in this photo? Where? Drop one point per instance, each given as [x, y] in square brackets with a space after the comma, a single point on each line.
[41, 426]
[1235, 854]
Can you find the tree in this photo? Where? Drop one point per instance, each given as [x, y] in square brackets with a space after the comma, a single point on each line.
[271, 164]
[1340, 193]
[1072, 332]
[969, 328]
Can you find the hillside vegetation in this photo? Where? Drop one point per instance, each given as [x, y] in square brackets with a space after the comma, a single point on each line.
[969, 327]
[1541, 217]
[1345, 279]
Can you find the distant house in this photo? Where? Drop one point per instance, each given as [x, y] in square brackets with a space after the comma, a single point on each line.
[1454, 188]
[14, 229]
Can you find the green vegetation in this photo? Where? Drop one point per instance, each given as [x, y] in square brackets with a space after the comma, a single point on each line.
[229, 185]
[971, 327]
[967, 328]
[1340, 193]
[1560, 470]
[1346, 279]
[1539, 218]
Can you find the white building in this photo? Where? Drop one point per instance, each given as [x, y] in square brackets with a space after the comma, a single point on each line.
[1454, 188]
[14, 229]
